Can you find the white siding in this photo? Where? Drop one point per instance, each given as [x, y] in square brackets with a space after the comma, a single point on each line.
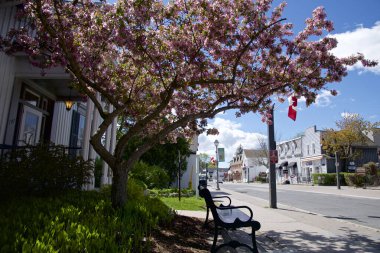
[6, 84]
[61, 124]
[6, 70]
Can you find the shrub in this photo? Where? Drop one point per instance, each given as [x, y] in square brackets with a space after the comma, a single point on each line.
[261, 178]
[171, 192]
[151, 176]
[42, 170]
[328, 178]
[79, 222]
[354, 179]
[371, 168]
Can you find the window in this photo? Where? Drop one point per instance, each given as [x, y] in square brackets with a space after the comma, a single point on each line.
[77, 132]
[31, 98]
[308, 149]
[313, 145]
[34, 117]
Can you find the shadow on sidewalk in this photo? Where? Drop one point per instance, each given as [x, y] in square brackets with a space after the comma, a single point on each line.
[300, 241]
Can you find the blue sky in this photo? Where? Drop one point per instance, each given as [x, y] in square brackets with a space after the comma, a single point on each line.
[357, 28]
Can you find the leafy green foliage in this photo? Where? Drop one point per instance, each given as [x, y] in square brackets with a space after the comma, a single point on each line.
[324, 178]
[152, 176]
[260, 179]
[351, 131]
[171, 192]
[79, 222]
[164, 156]
[42, 170]
[371, 168]
[354, 179]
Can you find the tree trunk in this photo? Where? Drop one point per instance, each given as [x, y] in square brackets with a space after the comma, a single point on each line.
[119, 187]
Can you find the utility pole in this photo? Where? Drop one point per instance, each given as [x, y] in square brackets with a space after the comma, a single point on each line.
[272, 165]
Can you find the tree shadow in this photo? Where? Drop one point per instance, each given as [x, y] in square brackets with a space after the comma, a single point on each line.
[341, 218]
[301, 241]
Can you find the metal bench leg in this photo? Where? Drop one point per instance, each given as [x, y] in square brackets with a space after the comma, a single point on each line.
[206, 221]
[254, 245]
[215, 239]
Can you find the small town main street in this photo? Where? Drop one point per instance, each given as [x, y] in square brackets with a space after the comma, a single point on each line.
[358, 206]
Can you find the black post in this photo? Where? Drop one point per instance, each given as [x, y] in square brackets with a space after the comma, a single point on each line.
[179, 175]
[272, 166]
[206, 172]
[337, 171]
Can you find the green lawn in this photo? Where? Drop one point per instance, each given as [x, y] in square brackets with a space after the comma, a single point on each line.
[186, 203]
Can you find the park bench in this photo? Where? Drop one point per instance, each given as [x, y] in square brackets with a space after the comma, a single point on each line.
[229, 218]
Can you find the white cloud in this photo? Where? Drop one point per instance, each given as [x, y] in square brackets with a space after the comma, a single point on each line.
[323, 99]
[373, 116]
[363, 40]
[230, 137]
[348, 114]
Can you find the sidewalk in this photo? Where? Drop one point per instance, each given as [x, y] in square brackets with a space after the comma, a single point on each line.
[287, 229]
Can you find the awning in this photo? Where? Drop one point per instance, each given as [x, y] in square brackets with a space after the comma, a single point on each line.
[284, 164]
[313, 158]
[292, 164]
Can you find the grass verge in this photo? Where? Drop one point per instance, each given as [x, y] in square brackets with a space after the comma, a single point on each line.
[188, 203]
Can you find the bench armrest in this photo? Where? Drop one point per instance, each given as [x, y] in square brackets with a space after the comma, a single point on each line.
[237, 207]
[221, 197]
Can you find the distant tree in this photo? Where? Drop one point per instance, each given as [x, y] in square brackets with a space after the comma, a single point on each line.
[351, 131]
[263, 152]
[204, 160]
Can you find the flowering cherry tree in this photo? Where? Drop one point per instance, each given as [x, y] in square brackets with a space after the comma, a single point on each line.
[167, 67]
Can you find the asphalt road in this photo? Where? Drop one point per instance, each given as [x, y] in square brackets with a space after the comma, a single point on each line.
[363, 211]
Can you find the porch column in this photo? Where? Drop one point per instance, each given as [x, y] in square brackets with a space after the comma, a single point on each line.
[112, 146]
[92, 153]
[87, 128]
[105, 173]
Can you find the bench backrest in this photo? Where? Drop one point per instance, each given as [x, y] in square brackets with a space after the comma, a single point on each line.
[206, 194]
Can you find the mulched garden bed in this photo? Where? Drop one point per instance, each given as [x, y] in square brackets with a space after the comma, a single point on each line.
[183, 235]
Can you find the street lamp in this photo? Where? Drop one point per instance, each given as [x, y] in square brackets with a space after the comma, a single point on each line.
[216, 142]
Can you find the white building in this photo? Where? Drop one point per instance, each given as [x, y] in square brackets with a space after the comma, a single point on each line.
[288, 167]
[248, 163]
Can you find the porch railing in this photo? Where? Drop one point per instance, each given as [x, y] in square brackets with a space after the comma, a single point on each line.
[6, 150]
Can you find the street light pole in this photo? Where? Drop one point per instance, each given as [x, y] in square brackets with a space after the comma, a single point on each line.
[216, 142]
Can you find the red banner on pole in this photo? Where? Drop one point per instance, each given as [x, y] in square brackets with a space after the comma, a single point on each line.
[273, 156]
